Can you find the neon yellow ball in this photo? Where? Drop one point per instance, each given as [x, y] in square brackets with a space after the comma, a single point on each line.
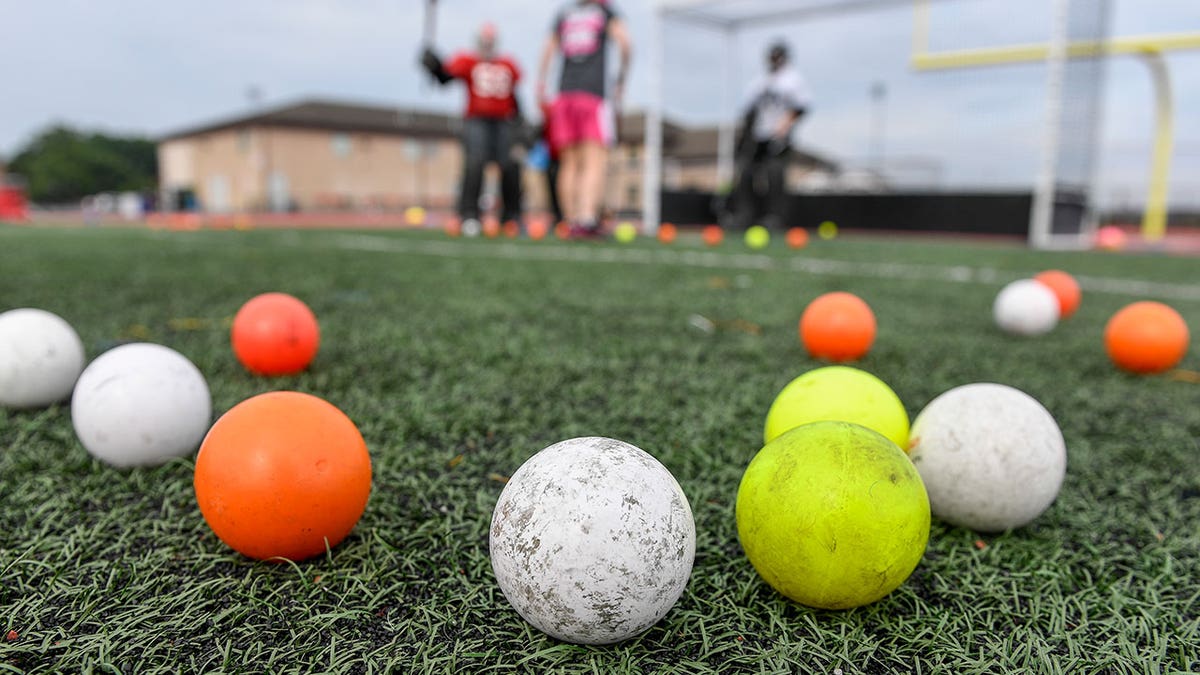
[842, 394]
[414, 216]
[833, 515]
[758, 237]
[827, 230]
[625, 233]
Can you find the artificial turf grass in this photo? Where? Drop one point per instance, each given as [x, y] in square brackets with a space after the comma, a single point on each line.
[489, 360]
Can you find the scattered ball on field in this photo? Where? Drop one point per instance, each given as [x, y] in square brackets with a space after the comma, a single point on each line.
[1026, 307]
[414, 216]
[1065, 289]
[1146, 337]
[592, 541]
[667, 233]
[797, 237]
[512, 229]
[1111, 238]
[827, 230]
[41, 357]
[991, 456]
[283, 475]
[837, 326]
[833, 515]
[140, 405]
[839, 394]
[453, 227]
[562, 231]
[471, 228]
[757, 237]
[275, 334]
[539, 227]
[712, 235]
[491, 227]
[625, 232]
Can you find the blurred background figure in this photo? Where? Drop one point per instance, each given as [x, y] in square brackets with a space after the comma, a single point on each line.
[544, 158]
[778, 100]
[582, 120]
[490, 125]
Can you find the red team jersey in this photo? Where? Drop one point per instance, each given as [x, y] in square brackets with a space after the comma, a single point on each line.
[491, 85]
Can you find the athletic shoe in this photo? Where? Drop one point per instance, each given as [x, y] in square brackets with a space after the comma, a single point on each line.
[585, 233]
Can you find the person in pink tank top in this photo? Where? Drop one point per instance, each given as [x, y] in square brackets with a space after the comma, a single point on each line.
[582, 121]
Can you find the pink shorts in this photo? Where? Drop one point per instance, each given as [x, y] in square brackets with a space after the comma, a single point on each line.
[578, 118]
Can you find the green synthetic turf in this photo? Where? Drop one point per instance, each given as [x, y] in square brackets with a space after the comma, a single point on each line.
[458, 363]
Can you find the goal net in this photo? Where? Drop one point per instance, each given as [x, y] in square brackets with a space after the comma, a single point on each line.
[881, 128]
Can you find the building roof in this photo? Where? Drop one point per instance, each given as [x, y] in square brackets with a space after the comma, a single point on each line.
[336, 115]
[686, 144]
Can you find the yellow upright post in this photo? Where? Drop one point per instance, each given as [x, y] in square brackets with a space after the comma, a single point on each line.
[1154, 220]
[1148, 47]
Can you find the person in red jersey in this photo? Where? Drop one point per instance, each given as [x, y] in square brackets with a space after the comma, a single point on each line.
[491, 122]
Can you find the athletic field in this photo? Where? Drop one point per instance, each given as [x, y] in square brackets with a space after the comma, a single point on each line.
[460, 359]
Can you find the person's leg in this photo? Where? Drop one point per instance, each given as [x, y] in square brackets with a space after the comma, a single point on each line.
[510, 172]
[564, 137]
[593, 162]
[568, 168]
[597, 134]
[742, 208]
[552, 188]
[475, 141]
[776, 201]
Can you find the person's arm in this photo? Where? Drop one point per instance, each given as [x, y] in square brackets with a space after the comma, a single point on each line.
[618, 33]
[433, 64]
[548, 52]
[798, 107]
[788, 122]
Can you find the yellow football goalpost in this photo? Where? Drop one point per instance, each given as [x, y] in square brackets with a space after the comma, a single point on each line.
[728, 27]
[1149, 47]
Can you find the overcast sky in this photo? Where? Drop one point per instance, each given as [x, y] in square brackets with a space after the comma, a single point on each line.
[148, 67]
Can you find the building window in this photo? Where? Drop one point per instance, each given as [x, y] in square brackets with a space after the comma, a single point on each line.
[633, 196]
[342, 145]
[412, 150]
[634, 162]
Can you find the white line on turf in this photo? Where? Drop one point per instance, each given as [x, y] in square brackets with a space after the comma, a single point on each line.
[748, 261]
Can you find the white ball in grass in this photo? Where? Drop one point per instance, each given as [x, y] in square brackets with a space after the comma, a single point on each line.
[1026, 307]
[41, 357]
[991, 456]
[592, 541]
[471, 228]
[141, 405]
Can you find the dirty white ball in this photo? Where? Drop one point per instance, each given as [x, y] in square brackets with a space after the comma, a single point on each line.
[1026, 307]
[991, 456]
[471, 228]
[592, 541]
[41, 356]
[141, 405]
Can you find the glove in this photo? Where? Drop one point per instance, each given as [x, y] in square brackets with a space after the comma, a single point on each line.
[431, 62]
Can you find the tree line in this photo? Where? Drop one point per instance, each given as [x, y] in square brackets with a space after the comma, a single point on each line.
[62, 164]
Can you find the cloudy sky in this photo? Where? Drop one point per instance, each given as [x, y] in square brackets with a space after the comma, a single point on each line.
[147, 66]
